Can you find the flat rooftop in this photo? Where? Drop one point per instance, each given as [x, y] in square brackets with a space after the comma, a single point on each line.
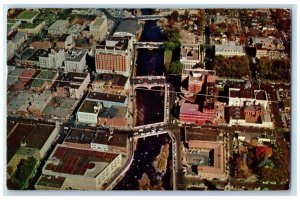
[87, 106]
[78, 161]
[100, 136]
[27, 14]
[201, 134]
[76, 55]
[107, 97]
[70, 79]
[39, 136]
[190, 52]
[51, 181]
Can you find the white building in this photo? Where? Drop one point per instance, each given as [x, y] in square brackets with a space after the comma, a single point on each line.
[75, 60]
[58, 27]
[98, 28]
[53, 60]
[190, 55]
[32, 29]
[230, 49]
[19, 39]
[88, 112]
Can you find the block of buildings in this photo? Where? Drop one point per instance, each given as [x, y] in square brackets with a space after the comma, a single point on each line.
[75, 60]
[229, 49]
[52, 59]
[27, 103]
[59, 27]
[71, 85]
[88, 112]
[43, 80]
[29, 140]
[113, 57]
[13, 76]
[82, 169]
[99, 140]
[98, 28]
[24, 78]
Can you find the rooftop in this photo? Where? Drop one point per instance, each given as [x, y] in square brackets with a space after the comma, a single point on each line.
[128, 26]
[229, 47]
[98, 21]
[112, 112]
[107, 97]
[37, 140]
[112, 79]
[51, 181]
[70, 79]
[59, 24]
[190, 52]
[42, 77]
[201, 134]
[78, 161]
[76, 55]
[88, 107]
[27, 14]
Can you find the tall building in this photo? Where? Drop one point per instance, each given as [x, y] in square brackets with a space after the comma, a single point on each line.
[53, 59]
[113, 57]
[98, 28]
[75, 60]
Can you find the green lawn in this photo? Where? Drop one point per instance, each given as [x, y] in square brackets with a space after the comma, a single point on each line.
[49, 17]
[27, 14]
[168, 57]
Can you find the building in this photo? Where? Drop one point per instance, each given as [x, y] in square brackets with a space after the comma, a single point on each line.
[108, 100]
[32, 29]
[195, 82]
[115, 116]
[253, 115]
[29, 104]
[10, 46]
[75, 60]
[247, 96]
[230, 49]
[12, 26]
[26, 140]
[99, 140]
[98, 28]
[18, 39]
[13, 76]
[203, 110]
[43, 80]
[41, 45]
[205, 154]
[65, 41]
[190, 55]
[59, 27]
[71, 85]
[52, 59]
[111, 83]
[24, 77]
[128, 27]
[30, 57]
[88, 112]
[90, 170]
[27, 16]
[113, 57]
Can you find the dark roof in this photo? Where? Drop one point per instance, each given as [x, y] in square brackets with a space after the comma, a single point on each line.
[107, 97]
[63, 38]
[87, 106]
[260, 95]
[201, 134]
[117, 79]
[128, 26]
[39, 136]
[70, 79]
[236, 112]
[100, 136]
[51, 181]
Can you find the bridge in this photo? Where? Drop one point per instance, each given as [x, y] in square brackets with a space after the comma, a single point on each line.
[148, 45]
[149, 81]
[150, 17]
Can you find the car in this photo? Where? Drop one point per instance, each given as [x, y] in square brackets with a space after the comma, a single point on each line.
[141, 130]
[161, 129]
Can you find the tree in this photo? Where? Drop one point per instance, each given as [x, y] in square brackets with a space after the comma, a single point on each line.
[175, 15]
[175, 67]
[186, 15]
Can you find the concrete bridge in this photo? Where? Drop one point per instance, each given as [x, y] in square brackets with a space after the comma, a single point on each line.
[149, 81]
[150, 17]
[148, 45]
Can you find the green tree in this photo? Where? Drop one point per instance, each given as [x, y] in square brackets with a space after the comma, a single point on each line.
[175, 67]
